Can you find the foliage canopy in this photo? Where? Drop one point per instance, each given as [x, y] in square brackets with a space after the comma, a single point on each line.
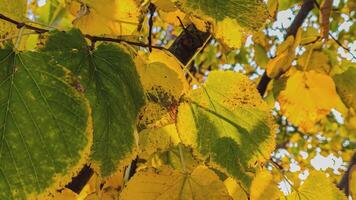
[177, 99]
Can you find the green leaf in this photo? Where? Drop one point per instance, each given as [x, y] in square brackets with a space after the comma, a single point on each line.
[112, 85]
[46, 126]
[250, 14]
[227, 122]
[261, 57]
[345, 86]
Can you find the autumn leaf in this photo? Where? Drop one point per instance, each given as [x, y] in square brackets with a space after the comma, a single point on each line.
[213, 121]
[46, 131]
[317, 186]
[307, 98]
[108, 17]
[168, 184]
[110, 81]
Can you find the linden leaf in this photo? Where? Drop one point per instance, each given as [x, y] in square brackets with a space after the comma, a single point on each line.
[283, 60]
[272, 6]
[235, 190]
[111, 83]
[168, 184]
[165, 5]
[352, 182]
[316, 60]
[15, 9]
[307, 98]
[227, 121]
[164, 83]
[345, 85]
[317, 186]
[264, 187]
[261, 57]
[110, 17]
[250, 14]
[46, 129]
[229, 32]
[160, 139]
[231, 19]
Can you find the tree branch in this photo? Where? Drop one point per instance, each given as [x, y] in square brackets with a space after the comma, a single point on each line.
[307, 6]
[92, 38]
[344, 182]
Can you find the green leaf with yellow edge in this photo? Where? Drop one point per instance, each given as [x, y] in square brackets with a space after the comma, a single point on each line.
[46, 126]
[307, 98]
[317, 186]
[164, 83]
[15, 9]
[228, 123]
[231, 19]
[250, 14]
[110, 81]
[345, 85]
[109, 17]
[168, 184]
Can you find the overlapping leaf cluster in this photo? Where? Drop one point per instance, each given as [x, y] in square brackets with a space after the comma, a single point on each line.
[68, 100]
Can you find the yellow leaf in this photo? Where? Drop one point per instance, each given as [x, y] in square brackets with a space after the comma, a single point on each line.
[272, 6]
[352, 182]
[265, 187]
[168, 184]
[153, 140]
[316, 187]
[164, 5]
[164, 83]
[283, 60]
[109, 17]
[307, 98]
[313, 59]
[229, 32]
[172, 16]
[15, 9]
[235, 190]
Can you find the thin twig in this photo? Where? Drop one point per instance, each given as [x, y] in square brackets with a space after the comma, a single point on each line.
[307, 6]
[342, 46]
[152, 9]
[93, 39]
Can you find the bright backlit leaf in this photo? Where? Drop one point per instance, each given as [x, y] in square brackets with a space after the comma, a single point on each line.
[307, 98]
[109, 17]
[214, 121]
[167, 184]
[317, 186]
[164, 83]
[250, 14]
[265, 187]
